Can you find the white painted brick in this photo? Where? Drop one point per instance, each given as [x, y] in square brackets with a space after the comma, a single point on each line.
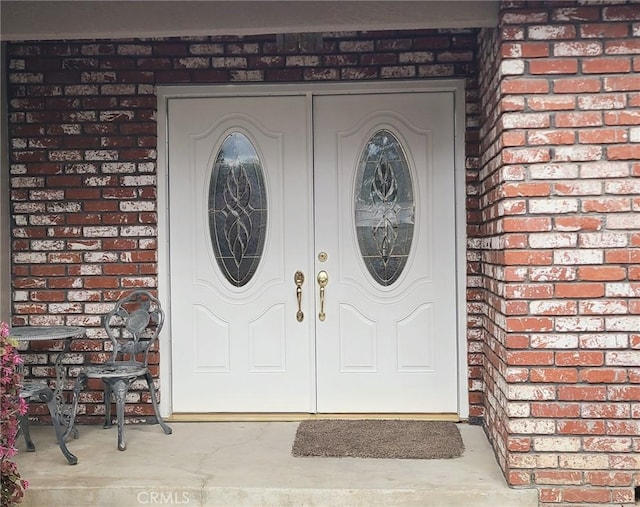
[603, 307]
[238, 62]
[118, 89]
[564, 171]
[29, 207]
[90, 269]
[138, 230]
[137, 206]
[622, 187]
[604, 341]
[101, 155]
[98, 181]
[147, 167]
[554, 341]
[531, 392]
[553, 240]
[46, 219]
[552, 273]
[624, 289]
[83, 245]
[82, 168]
[246, 75]
[525, 120]
[97, 308]
[21, 295]
[578, 153]
[532, 426]
[515, 409]
[577, 48]
[47, 244]
[29, 258]
[140, 281]
[27, 182]
[147, 244]
[512, 67]
[64, 207]
[65, 308]
[139, 181]
[622, 358]
[581, 324]
[583, 256]
[601, 101]
[109, 116]
[64, 155]
[584, 461]
[623, 220]
[603, 240]
[553, 206]
[520, 460]
[146, 89]
[100, 232]
[83, 89]
[47, 195]
[118, 167]
[582, 187]
[135, 49]
[548, 308]
[101, 257]
[98, 77]
[83, 295]
[557, 444]
[620, 323]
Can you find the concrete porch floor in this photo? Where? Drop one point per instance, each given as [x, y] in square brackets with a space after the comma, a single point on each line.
[249, 464]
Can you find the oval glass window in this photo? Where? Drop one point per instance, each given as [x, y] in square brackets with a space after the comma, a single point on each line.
[237, 209]
[384, 207]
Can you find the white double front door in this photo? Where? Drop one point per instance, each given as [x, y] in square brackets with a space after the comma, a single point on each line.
[269, 196]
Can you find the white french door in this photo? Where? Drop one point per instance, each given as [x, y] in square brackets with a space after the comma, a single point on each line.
[268, 196]
[387, 344]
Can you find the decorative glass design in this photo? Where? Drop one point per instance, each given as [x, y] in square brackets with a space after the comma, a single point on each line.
[384, 207]
[237, 209]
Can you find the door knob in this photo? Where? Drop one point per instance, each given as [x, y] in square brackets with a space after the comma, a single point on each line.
[323, 280]
[298, 279]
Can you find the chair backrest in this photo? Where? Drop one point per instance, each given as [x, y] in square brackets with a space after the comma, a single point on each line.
[133, 326]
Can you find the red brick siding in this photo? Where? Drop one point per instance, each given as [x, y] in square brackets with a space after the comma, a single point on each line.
[82, 121]
[559, 202]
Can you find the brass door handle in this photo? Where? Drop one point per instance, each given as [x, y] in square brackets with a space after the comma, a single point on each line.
[323, 280]
[298, 278]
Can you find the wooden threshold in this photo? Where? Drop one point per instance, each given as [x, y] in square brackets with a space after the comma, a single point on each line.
[299, 416]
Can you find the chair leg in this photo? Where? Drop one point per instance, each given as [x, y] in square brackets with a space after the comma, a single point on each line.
[78, 385]
[152, 390]
[119, 388]
[24, 427]
[106, 388]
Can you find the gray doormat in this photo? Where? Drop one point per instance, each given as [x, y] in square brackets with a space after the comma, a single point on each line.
[378, 438]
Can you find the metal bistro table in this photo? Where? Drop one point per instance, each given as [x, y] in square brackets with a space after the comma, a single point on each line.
[41, 390]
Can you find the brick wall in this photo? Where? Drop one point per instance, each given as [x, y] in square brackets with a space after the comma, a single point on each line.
[559, 199]
[82, 118]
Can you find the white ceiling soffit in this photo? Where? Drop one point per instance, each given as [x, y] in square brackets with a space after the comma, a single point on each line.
[96, 19]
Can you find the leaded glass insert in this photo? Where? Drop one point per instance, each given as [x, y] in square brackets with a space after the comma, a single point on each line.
[237, 209]
[384, 207]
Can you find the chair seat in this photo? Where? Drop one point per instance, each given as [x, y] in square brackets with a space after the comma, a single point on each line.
[116, 370]
[32, 388]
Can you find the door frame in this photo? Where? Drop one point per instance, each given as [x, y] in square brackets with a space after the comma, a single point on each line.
[165, 93]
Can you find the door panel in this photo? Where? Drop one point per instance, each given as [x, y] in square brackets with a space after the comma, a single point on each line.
[386, 348]
[360, 187]
[236, 345]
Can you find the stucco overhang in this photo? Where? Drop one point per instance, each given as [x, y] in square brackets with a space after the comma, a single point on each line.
[80, 19]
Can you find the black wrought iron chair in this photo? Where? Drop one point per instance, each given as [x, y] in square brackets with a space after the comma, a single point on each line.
[133, 327]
